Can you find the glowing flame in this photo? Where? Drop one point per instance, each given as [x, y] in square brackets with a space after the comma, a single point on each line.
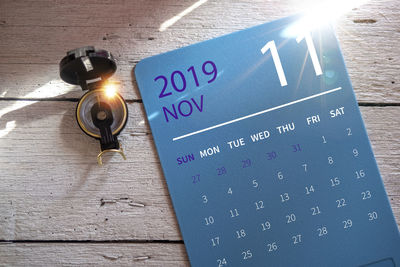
[110, 90]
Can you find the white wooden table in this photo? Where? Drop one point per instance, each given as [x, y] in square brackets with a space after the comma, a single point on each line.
[57, 207]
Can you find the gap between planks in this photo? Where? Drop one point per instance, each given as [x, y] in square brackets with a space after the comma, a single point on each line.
[123, 241]
[131, 101]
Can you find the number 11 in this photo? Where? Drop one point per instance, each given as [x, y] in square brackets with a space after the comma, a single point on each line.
[277, 61]
[313, 53]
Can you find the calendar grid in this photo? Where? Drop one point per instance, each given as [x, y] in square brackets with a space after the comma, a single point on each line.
[295, 187]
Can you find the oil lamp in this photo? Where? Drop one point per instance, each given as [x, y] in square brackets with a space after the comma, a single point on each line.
[101, 112]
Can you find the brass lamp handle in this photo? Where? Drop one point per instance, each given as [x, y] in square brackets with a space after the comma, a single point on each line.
[119, 151]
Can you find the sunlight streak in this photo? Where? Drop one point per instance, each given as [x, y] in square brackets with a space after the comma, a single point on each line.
[10, 125]
[302, 71]
[50, 89]
[320, 15]
[168, 23]
[17, 105]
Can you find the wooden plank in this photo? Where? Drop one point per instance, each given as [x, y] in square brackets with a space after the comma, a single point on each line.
[97, 254]
[52, 188]
[93, 254]
[150, 14]
[369, 38]
[39, 81]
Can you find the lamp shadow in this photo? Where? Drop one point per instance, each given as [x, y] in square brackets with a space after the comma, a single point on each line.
[51, 126]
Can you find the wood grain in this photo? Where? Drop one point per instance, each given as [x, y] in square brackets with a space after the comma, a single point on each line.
[130, 29]
[93, 254]
[52, 192]
[52, 188]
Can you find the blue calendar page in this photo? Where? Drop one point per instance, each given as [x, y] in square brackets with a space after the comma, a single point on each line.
[265, 153]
